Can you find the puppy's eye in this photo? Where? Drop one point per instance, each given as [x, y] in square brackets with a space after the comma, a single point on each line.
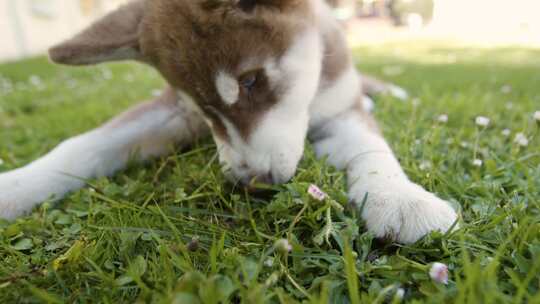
[248, 81]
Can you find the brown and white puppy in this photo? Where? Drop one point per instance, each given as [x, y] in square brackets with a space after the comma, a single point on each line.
[260, 76]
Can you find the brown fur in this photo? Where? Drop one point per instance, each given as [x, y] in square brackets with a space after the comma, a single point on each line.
[218, 37]
[373, 86]
[168, 99]
[337, 57]
[188, 41]
[108, 39]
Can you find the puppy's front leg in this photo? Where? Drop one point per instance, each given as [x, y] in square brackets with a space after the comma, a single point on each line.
[150, 129]
[395, 208]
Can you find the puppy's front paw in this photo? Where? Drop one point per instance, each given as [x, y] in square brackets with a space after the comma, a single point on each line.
[10, 188]
[403, 212]
[22, 189]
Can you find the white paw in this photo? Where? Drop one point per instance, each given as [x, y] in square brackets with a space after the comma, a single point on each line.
[21, 190]
[12, 195]
[402, 211]
[398, 92]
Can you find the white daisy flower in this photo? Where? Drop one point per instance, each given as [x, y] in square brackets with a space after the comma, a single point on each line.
[482, 121]
[443, 118]
[439, 273]
[316, 193]
[536, 116]
[269, 262]
[283, 246]
[506, 89]
[521, 140]
[506, 132]
[477, 162]
[35, 80]
[425, 165]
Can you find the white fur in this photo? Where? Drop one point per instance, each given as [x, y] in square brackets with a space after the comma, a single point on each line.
[335, 99]
[395, 206]
[97, 153]
[227, 87]
[276, 144]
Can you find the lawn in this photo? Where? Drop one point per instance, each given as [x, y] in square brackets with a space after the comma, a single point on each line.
[172, 230]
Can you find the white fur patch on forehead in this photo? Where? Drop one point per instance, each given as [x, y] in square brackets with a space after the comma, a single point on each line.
[227, 87]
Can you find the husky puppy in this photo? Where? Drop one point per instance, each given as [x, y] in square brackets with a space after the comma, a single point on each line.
[260, 76]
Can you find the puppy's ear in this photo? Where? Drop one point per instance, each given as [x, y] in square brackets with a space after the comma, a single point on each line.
[114, 37]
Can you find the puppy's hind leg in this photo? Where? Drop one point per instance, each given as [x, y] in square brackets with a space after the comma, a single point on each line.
[395, 208]
[148, 130]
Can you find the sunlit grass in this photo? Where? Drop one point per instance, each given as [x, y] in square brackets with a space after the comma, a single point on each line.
[174, 230]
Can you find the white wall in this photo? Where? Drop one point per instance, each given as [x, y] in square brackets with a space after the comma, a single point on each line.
[515, 21]
[30, 27]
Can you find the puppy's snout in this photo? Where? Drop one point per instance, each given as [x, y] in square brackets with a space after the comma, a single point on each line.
[251, 170]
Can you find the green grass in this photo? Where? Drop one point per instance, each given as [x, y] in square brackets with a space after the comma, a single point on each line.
[172, 230]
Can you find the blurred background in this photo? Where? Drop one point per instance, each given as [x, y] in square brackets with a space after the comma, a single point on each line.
[29, 27]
